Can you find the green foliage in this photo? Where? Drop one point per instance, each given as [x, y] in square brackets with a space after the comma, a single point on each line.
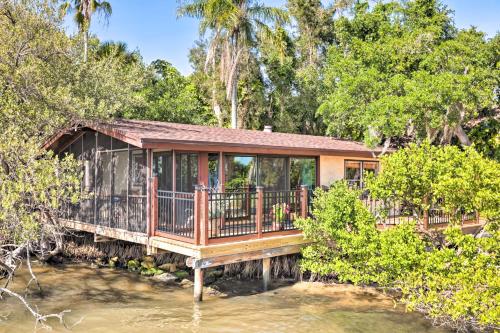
[280, 211]
[151, 271]
[133, 265]
[236, 28]
[486, 138]
[348, 245]
[425, 175]
[181, 274]
[45, 87]
[33, 185]
[84, 9]
[342, 229]
[456, 281]
[169, 96]
[459, 283]
[400, 70]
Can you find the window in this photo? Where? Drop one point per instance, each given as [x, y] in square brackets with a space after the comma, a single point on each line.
[162, 168]
[240, 171]
[272, 173]
[302, 172]
[186, 171]
[356, 170]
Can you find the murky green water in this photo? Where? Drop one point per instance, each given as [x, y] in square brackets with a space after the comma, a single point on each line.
[106, 300]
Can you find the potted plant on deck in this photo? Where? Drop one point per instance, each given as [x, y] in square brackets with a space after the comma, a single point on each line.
[279, 213]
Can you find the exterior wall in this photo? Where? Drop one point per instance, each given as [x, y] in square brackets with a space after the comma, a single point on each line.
[331, 168]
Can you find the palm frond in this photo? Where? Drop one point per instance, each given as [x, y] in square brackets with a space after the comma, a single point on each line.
[103, 7]
[266, 14]
[194, 8]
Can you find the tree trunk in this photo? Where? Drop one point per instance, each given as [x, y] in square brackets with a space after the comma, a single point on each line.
[85, 45]
[216, 106]
[462, 136]
[234, 104]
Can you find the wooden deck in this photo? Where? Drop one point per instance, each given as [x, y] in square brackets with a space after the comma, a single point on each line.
[204, 256]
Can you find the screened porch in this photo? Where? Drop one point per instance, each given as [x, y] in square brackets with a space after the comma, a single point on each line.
[114, 183]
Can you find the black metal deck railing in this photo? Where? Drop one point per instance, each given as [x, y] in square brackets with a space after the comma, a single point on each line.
[281, 208]
[251, 212]
[176, 213]
[232, 213]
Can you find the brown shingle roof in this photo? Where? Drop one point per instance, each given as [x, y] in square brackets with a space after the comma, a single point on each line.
[142, 133]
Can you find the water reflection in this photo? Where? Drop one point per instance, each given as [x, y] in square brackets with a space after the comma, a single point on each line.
[195, 323]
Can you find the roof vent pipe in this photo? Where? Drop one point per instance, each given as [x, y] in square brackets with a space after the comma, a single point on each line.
[268, 128]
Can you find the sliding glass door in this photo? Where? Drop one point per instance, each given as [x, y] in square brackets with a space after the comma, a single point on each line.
[274, 173]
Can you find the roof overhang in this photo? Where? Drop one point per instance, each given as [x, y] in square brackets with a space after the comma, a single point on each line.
[58, 143]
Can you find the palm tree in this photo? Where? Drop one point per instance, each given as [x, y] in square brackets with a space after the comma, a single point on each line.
[235, 27]
[117, 50]
[84, 9]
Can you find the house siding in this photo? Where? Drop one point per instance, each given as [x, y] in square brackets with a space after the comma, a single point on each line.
[332, 168]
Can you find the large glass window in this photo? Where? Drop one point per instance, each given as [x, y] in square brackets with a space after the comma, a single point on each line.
[240, 171]
[162, 168]
[272, 173]
[370, 168]
[355, 171]
[186, 171]
[302, 172]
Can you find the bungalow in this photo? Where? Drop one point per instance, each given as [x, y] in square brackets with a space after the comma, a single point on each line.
[216, 195]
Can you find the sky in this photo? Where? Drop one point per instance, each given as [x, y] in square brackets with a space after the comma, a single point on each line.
[152, 26]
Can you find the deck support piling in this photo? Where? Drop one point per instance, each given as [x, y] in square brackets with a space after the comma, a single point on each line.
[266, 272]
[198, 285]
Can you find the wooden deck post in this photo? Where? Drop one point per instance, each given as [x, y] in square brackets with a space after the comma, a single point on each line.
[203, 212]
[197, 220]
[303, 201]
[259, 216]
[198, 285]
[154, 206]
[266, 272]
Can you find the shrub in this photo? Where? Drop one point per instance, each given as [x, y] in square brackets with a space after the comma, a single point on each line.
[458, 284]
[455, 281]
[424, 175]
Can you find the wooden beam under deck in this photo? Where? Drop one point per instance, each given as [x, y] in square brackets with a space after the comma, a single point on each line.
[290, 243]
[241, 257]
[253, 248]
[129, 236]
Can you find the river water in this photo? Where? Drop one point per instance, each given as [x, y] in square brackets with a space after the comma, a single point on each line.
[107, 300]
